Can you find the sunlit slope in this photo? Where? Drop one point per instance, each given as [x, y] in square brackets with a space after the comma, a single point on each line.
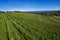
[28, 26]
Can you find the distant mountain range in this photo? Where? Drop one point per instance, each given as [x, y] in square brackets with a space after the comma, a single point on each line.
[33, 11]
[39, 11]
[49, 13]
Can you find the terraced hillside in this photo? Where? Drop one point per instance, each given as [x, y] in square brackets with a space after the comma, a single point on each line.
[28, 26]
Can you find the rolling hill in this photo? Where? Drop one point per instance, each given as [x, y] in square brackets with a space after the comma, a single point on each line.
[28, 26]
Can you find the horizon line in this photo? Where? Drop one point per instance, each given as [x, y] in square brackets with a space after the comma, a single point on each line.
[28, 11]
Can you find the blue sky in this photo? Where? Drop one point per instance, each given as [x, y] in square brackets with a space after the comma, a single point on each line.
[29, 5]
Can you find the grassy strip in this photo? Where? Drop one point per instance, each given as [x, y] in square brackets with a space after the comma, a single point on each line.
[2, 29]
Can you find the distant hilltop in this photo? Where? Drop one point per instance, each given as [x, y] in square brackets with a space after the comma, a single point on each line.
[46, 13]
[32, 11]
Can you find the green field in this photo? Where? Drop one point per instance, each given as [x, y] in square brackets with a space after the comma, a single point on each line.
[28, 26]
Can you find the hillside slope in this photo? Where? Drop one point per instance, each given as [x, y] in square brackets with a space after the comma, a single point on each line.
[28, 26]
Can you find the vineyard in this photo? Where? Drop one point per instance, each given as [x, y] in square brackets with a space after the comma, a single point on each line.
[28, 26]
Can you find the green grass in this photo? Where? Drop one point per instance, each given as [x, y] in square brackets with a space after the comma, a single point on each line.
[28, 26]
